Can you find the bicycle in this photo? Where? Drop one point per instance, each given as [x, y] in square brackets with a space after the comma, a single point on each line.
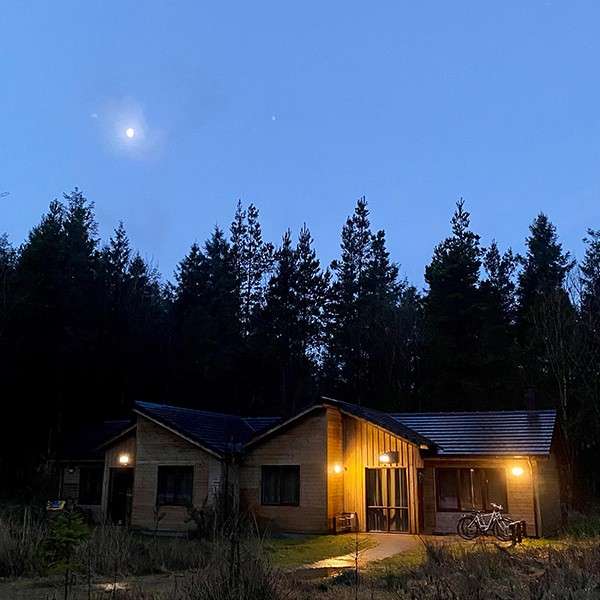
[479, 523]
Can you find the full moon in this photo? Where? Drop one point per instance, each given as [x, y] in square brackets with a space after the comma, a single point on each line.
[130, 132]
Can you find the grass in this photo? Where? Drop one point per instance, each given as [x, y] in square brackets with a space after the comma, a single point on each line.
[296, 551]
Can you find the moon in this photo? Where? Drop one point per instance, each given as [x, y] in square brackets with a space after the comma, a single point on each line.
[130, 132]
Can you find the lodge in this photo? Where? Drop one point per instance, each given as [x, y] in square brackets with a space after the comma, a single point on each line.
[391, 472]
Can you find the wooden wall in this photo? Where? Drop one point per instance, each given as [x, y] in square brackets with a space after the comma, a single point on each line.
[157, 446]
[335, 456]
[548, 493]
[303, 443]
[520, 492]
[363, 443]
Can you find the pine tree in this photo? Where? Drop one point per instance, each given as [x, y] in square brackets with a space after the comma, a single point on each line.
[498, 338]
[361, 361]
[253, 259]
[590, 276]
[453, 317]
[540, 292]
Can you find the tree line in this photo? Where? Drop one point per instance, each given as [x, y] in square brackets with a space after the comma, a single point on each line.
[251, 327]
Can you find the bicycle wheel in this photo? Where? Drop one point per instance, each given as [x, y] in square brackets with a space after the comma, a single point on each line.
[501, 529]
[467, 527]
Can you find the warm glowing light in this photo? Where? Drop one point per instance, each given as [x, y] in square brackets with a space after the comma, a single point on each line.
[384, 458]
[517, 471]
[337, 468]
[130, 132]
[124, 459]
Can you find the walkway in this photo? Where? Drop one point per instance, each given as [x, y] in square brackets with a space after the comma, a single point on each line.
[388, 544]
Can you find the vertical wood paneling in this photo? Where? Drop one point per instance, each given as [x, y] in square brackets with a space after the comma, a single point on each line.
[363, 443]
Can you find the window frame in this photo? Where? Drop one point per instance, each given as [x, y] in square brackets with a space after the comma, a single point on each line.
[263, 470]
[457, 486]
[163, 468]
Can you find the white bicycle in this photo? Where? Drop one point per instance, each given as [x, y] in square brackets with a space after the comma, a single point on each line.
[479, 523]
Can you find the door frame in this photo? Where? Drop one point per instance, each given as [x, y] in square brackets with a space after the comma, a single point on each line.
[388, 508]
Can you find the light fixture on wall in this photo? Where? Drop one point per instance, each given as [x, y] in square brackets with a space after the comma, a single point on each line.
[386, 458]
[517, 471]
[337, 468]
[124, 459]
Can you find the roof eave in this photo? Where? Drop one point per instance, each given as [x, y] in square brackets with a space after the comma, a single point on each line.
[173, 430]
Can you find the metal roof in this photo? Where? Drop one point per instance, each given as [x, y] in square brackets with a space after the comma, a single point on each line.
[514, 432]
[383, 420]
[217, 432]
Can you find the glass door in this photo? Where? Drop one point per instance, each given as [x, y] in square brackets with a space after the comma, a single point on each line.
[387, 499]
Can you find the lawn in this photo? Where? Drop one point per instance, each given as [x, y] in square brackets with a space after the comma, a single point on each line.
[289, 552]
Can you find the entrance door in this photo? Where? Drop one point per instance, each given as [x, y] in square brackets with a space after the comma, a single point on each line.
[120, 492]
[387, 499]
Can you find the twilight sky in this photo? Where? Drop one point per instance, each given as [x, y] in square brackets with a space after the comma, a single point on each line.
[302, 107]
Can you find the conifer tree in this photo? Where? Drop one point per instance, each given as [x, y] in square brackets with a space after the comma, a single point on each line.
[453, 317]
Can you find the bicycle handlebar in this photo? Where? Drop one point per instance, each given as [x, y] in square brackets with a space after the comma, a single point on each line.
[496, 506]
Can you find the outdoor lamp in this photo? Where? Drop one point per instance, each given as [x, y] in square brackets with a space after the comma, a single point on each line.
[337, 468]
[124, 459]
[517, 471]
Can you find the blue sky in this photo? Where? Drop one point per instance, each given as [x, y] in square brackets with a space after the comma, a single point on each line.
[302, 108]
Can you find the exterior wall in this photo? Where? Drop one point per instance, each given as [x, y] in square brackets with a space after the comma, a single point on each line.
[548, 494]
[520, 492]
[363, 443]
[335, 457]
[156, 446]
[303, 443]
[69, 487]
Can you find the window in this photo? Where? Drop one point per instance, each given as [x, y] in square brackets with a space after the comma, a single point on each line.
[280, 485]
[175, 486]
[468, 489]
[90, 484]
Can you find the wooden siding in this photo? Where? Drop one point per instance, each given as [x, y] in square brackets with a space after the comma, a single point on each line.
[363, 443]
[156, 446]
[519, 491]
[335, 457]
[548, 494]
[305, 444]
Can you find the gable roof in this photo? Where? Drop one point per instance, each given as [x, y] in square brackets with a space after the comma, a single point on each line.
[383, 420]
[380, 419]
[512, 432]
[216, 432]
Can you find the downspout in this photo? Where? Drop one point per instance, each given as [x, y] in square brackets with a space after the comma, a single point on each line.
[536, 505]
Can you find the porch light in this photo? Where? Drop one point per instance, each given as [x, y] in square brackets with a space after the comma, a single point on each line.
[517, 471]
[388, 457]
[124, 459]
[337, 468]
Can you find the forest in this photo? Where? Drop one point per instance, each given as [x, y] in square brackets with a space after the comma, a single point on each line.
[253, 327]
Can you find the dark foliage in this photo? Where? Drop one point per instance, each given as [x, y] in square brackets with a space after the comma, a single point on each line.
[245, 327]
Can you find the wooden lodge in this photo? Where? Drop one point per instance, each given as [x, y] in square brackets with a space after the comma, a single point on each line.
[332, 463]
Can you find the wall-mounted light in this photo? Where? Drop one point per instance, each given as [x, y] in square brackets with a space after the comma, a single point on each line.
[337, 468]
[124, 459]
[388, 457]
[517, 471]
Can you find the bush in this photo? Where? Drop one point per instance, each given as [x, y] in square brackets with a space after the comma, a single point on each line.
[581, 525]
